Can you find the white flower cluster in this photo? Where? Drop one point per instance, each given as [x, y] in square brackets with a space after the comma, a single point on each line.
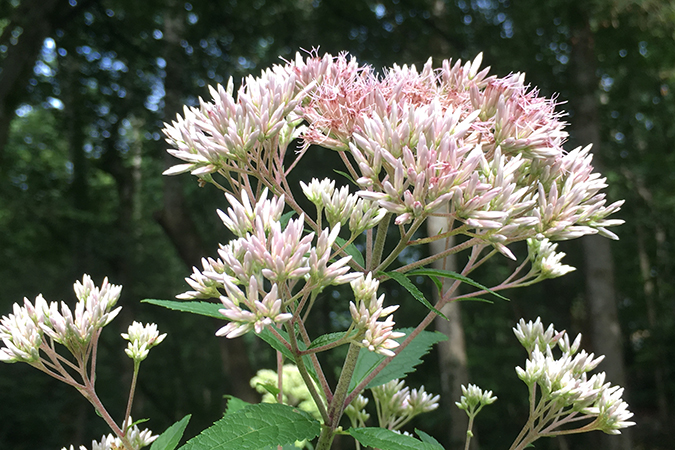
[564, 386]
[397, 404]
[474, 398]
[137, 438]
[141, 339]
[266, 260]
[356, 411]
[342, 207]
[367, 309]
[23, 332]
[546, 262]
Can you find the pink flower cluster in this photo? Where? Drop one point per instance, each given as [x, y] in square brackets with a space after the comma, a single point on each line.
[281, 264]
[482, 150]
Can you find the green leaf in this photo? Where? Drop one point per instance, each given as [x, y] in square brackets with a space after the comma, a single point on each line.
[202, 308]
[346, 175]
[455, 276]
[285, 218]
[329, 338]
[171, 437]
[475, 299]
[235, 404]
[352, 251]
[401, 365]
[410, 287]
[388, 440]
[255, 427]
[428, 439]
[438, 283]
[211, 310]
[269, 387]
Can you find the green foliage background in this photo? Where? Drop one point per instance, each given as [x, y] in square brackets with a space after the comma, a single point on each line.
[80, 187]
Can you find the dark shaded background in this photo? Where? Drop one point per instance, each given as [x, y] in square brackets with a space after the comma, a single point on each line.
[85, 86]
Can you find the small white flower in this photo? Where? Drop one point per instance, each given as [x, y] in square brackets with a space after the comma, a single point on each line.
[141, 339]
[474, 398]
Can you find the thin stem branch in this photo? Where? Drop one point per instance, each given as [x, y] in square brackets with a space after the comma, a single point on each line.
[423, 262]
[132, 391]
[303, 371]
[402, 244]
[339, 401]
[280, 377]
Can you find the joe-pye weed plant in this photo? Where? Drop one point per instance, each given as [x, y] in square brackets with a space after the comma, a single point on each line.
[484, 153]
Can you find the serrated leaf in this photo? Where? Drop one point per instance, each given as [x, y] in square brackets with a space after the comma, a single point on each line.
[414, 291]
[352, 251]
[329, 338]
[170, 439]
[235, 404]
[455, 276]
[201, 308]
[255, 427]
[211, 310]
[401, 365]
[384, 439]
[428, 439]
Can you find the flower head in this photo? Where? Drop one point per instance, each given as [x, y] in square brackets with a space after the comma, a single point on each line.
[474, 398]
[563, 382]
[141, 339]
[397, 404]
[23, 332]
[367, 309]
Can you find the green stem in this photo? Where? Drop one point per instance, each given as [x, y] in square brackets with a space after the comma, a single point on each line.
[423, 262]
[469, 434]
[403, 243]
[337, 405]
[304, 373]
[380, 239]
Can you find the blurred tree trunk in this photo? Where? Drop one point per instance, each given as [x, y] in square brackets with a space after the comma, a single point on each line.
[451, 353]
[79, 187]
[175, 218]
[650, 287]
[599, 268]
[452, 361]
[35, 19]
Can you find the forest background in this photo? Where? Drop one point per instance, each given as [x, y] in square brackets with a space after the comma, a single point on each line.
[85, 86]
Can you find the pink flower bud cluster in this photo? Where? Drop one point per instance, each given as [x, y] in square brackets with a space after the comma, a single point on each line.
[488, 147]
[367, 309]
[228, 132]
[23, 332]
[483, 150]
[266, 261]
